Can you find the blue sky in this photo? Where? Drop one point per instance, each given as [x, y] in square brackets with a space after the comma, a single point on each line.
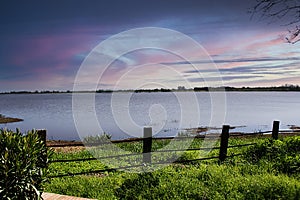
[43, 44]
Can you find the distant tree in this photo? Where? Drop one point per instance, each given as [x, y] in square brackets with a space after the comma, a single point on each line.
[285, 10]
[180, 88]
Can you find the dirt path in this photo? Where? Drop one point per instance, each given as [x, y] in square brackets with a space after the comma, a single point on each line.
[51, 196]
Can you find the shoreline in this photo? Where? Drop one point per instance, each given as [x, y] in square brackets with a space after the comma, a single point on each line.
[88, 92]
[73, 143]
[283, 88]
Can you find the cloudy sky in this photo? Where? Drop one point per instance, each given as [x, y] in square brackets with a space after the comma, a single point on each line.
[44, 43]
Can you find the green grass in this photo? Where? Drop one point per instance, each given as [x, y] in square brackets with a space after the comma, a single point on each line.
[268, 170]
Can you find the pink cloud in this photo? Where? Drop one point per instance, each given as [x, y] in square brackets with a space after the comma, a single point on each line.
[55, 50]
[278, 81]
[247, 44]
[232, 64]
[52, 58]
[269, 43]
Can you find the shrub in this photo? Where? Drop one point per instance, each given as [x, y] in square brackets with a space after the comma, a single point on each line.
[144, 184]
[97, 138]
[21, 165]
[283, 154]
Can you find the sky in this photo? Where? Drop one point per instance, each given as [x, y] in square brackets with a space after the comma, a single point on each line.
[44, 44]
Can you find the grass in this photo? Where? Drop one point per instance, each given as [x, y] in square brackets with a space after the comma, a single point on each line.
[268, 170]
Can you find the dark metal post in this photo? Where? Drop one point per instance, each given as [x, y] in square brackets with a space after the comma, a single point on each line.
[43, 136]
[275, 130]
[147, 144]
[224, 142]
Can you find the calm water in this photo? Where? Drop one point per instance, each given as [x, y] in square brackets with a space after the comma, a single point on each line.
[167, 113]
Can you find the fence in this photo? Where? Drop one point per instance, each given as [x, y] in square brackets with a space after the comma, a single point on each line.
[147, 149]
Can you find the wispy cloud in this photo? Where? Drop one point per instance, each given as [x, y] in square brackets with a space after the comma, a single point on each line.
[224, 78]
[239, 60]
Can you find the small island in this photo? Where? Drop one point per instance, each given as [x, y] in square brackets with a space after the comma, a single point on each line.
[5, 120]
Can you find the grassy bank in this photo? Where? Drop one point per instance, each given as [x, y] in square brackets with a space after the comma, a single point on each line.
[268, 170]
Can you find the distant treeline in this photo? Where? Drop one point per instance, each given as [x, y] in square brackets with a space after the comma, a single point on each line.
[277, 88]
[153, 90]
[37, 92]
[249, 89]
[196, 89]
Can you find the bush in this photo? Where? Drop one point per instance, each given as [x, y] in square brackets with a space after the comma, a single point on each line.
[97, 138]
[22, 165]
[145, 182]
[283, 154]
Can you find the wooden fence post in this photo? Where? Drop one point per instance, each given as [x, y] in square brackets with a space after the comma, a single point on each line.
[275, 130]
[224, 143]
[43, 136]
[147, 144]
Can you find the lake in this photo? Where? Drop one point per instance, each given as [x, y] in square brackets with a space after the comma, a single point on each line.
[168, 113]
